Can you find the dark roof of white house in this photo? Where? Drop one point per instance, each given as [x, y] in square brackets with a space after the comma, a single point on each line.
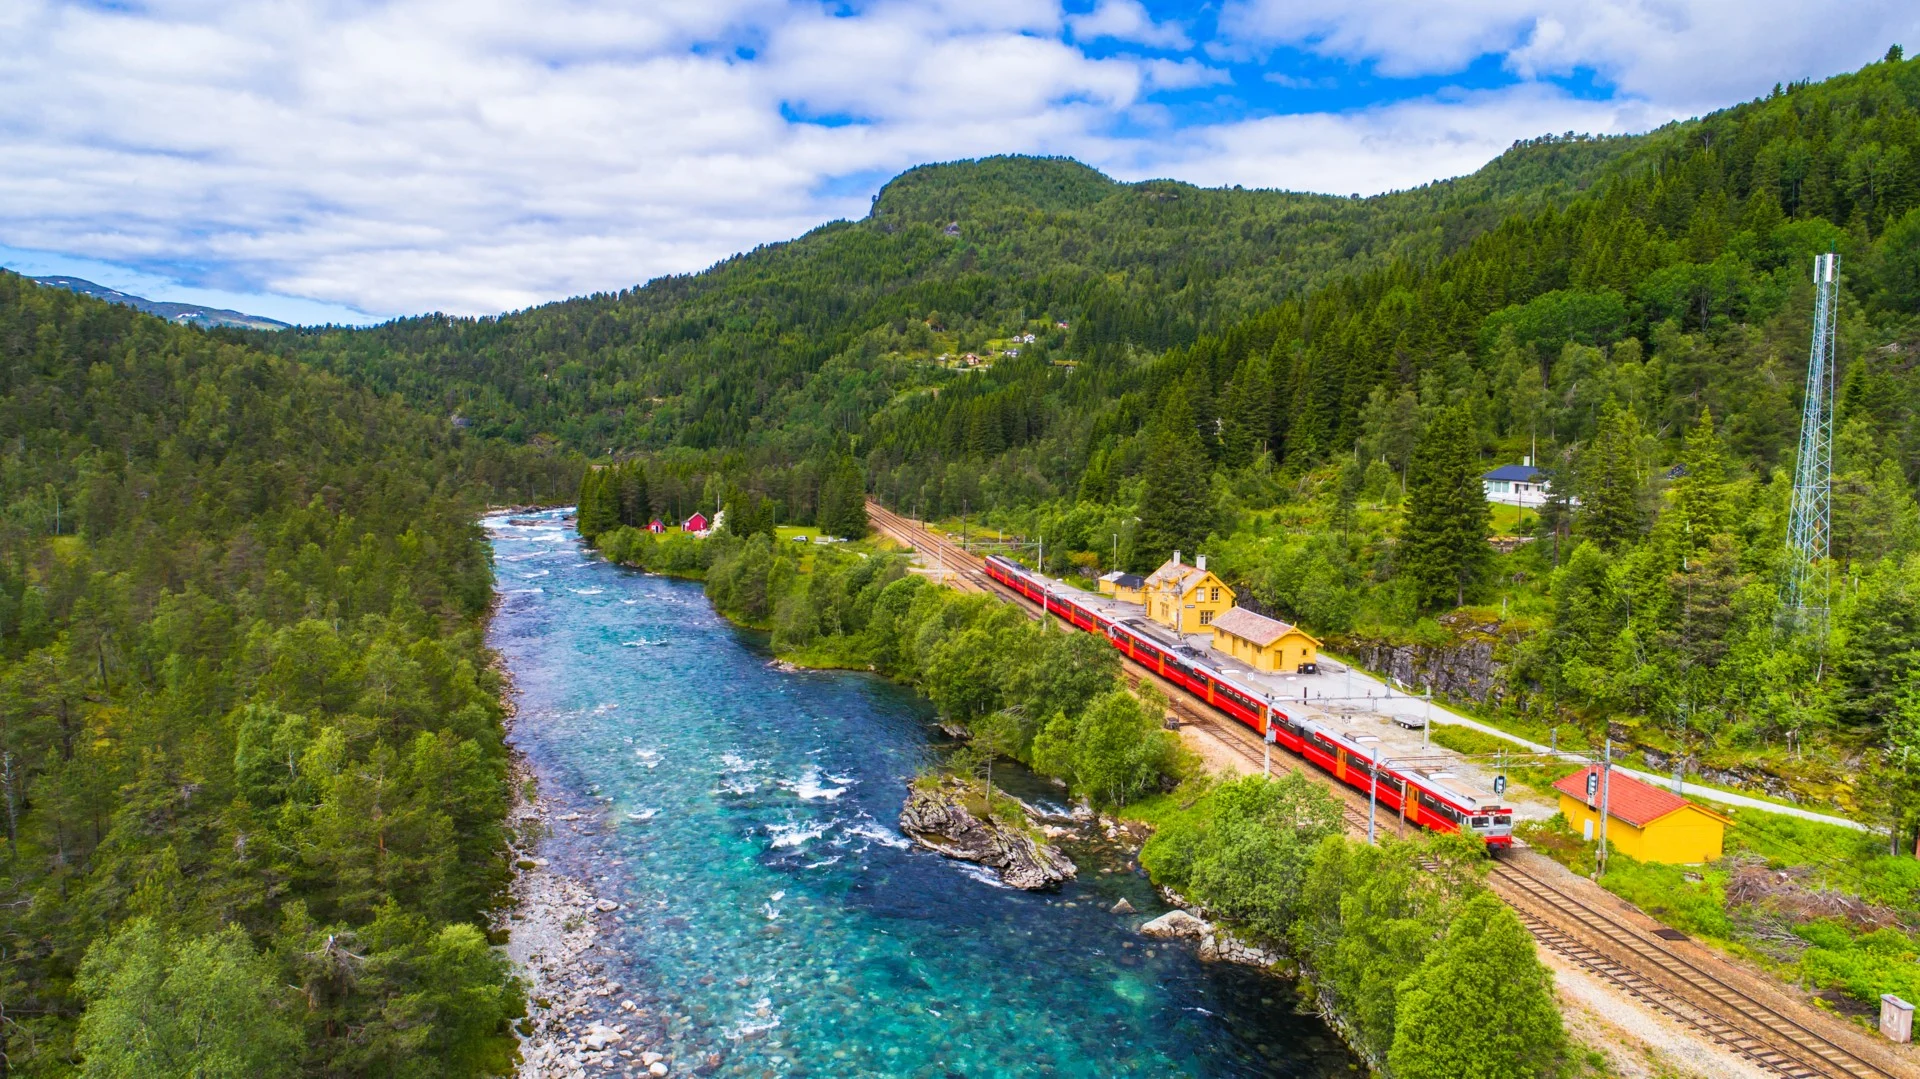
[1522, 473]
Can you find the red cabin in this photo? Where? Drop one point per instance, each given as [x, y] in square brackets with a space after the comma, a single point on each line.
[695, 523]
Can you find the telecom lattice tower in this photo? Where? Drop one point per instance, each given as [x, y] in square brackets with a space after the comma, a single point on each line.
[1810, 526]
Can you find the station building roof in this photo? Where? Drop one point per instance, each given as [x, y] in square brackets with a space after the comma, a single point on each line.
[1637, 803]
[1249, 626]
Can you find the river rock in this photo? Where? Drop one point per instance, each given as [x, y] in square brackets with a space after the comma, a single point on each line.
[935, 818]
[1123, 907]
[1177, 923]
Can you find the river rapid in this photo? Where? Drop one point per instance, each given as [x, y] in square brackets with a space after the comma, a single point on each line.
[773, 920]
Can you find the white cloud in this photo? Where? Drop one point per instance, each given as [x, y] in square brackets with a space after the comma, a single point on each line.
[480, 155]
[1127, 20]
[1686, 54]
[1380, 149]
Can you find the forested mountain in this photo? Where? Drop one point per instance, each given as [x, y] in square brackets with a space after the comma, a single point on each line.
[251, 765]
[792, 342]
[1133, 368]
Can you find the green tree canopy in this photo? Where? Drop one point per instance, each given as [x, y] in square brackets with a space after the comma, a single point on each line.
[1443, 542]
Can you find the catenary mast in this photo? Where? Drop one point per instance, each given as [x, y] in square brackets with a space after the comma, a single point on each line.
[1810, 526]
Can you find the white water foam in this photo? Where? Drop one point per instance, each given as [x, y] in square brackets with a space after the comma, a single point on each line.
[869, 829]
[586, 591]
[526, 591]
[984, 876]
[795, 833]
[648, 757]
[642, 814]
[810, 787]
[534, 574]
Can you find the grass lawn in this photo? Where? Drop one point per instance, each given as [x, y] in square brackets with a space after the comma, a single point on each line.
[1512, 520]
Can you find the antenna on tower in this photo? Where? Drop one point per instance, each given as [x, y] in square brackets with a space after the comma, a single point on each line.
[1810, 526]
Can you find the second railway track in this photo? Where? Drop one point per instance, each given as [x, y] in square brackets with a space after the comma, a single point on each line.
[1581, 932]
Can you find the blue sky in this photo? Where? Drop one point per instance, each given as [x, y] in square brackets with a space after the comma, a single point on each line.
[320, 160]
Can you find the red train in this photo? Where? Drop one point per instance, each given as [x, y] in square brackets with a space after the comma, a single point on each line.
[1429, 798]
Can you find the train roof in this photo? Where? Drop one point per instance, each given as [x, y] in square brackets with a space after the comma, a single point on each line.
[1437, 782]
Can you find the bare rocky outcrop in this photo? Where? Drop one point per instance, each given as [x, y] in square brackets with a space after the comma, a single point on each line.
[936, 817]
[1178, 924]
[1216, 944]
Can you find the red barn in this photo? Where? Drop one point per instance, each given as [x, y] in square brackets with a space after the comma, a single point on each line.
[655, 526]
[696, 523]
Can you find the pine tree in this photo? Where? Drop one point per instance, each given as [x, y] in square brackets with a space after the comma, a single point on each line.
[597, 508]
[1480, 1005]
[1176, 504]
[1610, 482]
[1443, 542]
[843, 501]
[1700, 495]
[636, 506]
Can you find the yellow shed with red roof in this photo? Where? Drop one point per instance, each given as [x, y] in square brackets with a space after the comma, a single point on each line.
[1648, 823]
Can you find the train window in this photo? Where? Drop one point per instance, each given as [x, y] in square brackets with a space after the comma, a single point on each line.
[1482, 822]
[1503, 819]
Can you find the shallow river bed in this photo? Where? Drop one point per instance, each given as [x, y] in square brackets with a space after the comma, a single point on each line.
[772, 919]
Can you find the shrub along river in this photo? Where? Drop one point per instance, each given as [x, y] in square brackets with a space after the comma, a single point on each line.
[745, 817]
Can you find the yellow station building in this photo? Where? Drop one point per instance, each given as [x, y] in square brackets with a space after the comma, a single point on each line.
[1647, 823]
[1186, 598]
[1125, 587]
[1265, 644]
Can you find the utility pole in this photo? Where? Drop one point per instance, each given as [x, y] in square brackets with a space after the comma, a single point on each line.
[1606, 786]
[1810, 524]
[1426, 728]
[1266, 740]
[1373, 791]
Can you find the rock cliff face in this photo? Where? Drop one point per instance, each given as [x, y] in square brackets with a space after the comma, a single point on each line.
[936, 819]
[1471, 665]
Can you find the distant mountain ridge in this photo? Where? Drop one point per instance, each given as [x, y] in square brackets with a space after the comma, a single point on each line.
[185, 314]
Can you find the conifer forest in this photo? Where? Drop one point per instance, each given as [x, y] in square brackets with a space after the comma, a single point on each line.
[251, 737]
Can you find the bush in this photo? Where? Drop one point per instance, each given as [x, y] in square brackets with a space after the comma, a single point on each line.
[1244, 852]
[1481, 1004]
[1114, 752]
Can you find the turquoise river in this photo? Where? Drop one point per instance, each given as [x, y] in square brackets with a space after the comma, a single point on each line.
[774, 922]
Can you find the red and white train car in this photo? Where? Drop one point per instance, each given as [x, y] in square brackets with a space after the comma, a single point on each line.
[1431, 799]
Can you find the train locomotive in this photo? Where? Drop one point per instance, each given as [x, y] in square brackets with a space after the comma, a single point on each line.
[1430, 798]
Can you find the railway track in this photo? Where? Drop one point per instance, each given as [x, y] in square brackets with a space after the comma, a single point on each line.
[1641, 965]
[1582, 932]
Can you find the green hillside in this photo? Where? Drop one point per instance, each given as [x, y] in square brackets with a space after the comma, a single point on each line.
[792, 342]
[1289, 379]
[250, 748]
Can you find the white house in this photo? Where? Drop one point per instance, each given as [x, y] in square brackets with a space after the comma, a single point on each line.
[1516, 485]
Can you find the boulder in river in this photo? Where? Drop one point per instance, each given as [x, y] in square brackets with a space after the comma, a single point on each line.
[1123, 907]
[1177, 923]
[936, 818]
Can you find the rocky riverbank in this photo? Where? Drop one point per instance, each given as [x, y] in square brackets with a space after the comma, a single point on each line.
[936, 816]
